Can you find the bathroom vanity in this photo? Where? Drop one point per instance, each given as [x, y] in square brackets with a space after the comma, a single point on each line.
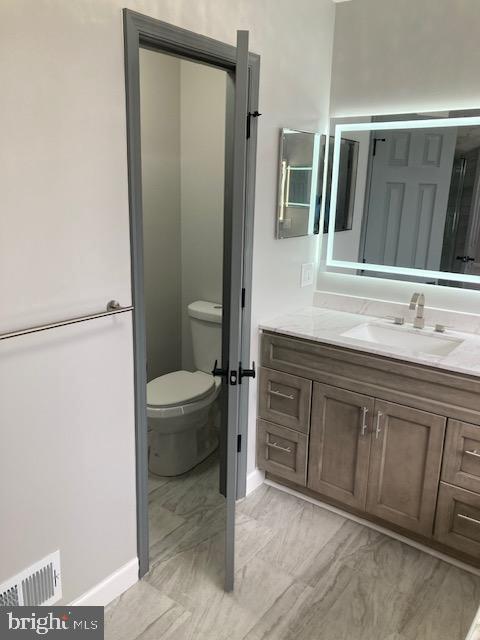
[355, 412]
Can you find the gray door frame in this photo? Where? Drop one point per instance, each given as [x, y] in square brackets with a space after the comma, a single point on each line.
[143, 31]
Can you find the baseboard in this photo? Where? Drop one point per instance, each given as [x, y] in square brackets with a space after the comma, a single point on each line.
[113, 586]
[376, 527]
[254, 480]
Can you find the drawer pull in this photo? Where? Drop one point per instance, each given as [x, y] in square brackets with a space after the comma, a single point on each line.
[473, 453]
[364, 421]
[274, 392]
[378, 430]
[463, 517]
[279, 447]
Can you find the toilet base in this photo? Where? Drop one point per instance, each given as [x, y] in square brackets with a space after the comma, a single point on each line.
[172, 454]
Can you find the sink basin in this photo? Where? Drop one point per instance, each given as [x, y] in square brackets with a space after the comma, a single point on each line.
[413, 340]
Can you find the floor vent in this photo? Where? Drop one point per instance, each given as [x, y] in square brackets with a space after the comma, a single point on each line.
[37, 585]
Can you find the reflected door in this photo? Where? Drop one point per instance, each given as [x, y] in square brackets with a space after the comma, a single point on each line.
[410, 181]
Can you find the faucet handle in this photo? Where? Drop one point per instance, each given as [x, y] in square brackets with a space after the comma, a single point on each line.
[440, 328]
[396, 319]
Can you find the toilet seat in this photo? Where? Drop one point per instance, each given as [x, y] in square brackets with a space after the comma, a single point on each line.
[180, 392]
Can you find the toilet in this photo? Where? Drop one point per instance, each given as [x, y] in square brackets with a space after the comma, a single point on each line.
[182, 412]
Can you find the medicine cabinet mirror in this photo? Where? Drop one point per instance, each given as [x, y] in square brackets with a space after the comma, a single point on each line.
[404, 198]
[298, 211]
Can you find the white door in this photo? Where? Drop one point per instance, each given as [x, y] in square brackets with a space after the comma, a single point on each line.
[410, 183]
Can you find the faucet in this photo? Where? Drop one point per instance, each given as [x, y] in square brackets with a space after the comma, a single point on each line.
[418, 302]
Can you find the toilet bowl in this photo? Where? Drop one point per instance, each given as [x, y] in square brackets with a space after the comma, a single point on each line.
[182, 409]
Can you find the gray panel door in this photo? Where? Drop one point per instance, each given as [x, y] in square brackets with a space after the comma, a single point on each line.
[411, 173]
[233, 282]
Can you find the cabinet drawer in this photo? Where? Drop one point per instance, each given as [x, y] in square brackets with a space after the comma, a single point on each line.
[282, 452]
[461, 461]
[285, 399]
[458, 519]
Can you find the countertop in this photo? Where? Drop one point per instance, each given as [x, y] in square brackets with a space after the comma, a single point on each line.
[326, 326]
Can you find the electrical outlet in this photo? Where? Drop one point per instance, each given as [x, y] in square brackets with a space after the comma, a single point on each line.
[306, 278]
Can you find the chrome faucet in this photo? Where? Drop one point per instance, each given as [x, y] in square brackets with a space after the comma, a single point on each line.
[418, 302]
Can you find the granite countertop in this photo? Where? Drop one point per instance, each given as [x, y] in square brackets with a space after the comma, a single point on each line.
[327, 326]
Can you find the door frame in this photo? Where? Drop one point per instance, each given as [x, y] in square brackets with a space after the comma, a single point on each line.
[144, 31]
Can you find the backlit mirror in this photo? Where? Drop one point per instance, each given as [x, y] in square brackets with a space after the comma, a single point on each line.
[404, 199]
[298, 202]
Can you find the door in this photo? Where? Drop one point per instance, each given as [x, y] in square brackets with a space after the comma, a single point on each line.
[410, 181]
[340, 437]
[405, 462]
[143, 31]
[232, 295]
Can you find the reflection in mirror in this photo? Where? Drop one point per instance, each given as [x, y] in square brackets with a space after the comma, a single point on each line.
[347, 175]
[298, 205]
[419, 216]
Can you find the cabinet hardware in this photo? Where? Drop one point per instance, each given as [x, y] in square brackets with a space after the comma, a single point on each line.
[275, 445]
[473, 453]
[378, 430]
[463, 517]
[364, 421]
[274, 392]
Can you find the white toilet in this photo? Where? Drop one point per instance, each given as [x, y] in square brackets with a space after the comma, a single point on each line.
[183, 417]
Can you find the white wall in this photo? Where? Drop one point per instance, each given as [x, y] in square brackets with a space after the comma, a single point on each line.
[64, 248]
[393, 56]
[160, 129]
[203, 95]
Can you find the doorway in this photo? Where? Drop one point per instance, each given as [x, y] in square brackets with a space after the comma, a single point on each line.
[203, 259]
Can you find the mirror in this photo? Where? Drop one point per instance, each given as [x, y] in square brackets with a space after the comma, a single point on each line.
[298, 203]
[404, 200]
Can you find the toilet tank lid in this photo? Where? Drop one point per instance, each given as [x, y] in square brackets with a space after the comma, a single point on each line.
[210, 311]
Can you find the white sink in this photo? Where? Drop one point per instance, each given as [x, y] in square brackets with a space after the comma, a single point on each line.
[413, 340]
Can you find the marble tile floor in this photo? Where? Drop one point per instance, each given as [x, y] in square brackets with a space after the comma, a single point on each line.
[302, 573]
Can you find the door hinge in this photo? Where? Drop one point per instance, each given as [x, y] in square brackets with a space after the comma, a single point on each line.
[239, 443]
[243, 298]
[250, 115]
[375, 140]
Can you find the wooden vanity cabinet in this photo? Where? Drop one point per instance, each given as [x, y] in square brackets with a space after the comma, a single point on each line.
[394, 441]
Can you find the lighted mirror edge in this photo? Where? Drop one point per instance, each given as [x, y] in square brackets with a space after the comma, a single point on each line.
[404, 271]
[378, 268]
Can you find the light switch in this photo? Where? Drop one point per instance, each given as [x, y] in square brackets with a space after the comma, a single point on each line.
[306, 278]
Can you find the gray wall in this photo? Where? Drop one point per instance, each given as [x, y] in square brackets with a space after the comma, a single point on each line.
[203, 91]
[160, 128]
[393, 56]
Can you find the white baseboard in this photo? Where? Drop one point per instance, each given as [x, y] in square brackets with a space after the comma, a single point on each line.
[113, 586]
[254, 480]
[376, 527]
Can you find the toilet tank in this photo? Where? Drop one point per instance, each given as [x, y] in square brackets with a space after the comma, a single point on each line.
[206, 328]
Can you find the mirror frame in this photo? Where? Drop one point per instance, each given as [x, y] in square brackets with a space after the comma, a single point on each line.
[381, 268]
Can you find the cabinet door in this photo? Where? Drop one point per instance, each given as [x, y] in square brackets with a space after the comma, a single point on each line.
[340, 435]
[405, 466]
